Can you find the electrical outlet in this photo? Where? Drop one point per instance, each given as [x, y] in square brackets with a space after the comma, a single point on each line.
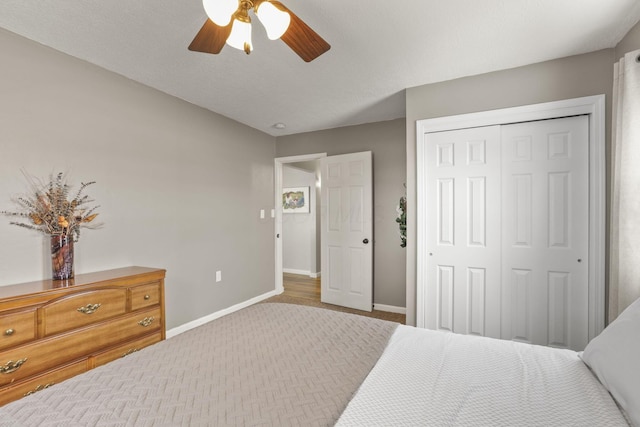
[261, 213]
[218, 276]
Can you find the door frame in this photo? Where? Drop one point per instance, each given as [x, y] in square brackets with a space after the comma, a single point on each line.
[594, 106]
[278, 164]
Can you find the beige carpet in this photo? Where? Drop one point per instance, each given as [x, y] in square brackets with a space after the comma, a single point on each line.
[384, 315]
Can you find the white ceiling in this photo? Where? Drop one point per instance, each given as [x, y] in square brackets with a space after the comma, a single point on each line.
[378, 49]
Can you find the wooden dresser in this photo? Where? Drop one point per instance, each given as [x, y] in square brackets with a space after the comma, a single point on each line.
[53, 330]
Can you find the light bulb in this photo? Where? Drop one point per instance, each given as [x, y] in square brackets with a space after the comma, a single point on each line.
[275, 21]
[240, 36]
[220, 11]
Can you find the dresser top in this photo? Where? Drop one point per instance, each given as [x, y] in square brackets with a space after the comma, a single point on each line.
[78, 281]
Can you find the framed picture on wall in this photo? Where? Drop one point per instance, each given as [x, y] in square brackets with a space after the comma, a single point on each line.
[295, 200]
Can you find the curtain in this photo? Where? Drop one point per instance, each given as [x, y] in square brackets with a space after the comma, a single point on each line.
[624, 254]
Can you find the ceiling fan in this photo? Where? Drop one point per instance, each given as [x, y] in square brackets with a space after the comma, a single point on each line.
[229, 23]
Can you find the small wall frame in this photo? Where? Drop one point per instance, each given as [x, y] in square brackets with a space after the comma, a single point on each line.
[295, 200]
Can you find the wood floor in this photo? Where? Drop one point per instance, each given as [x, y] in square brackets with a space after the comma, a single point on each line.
[304, 290]
[300, 286]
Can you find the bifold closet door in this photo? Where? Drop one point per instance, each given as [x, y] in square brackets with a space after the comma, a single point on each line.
[463, 231]
[507, 231]
[545, 215]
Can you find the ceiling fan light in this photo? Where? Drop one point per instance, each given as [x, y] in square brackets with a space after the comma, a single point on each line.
[275, 21]
[240, 37]
[220, 11]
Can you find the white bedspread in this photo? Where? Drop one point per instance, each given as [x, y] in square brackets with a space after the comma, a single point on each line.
[429, 378]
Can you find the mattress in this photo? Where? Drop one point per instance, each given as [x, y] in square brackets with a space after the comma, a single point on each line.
[430, 378]
[266, 365]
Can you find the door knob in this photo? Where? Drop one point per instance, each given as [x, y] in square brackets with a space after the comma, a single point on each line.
[365, 241]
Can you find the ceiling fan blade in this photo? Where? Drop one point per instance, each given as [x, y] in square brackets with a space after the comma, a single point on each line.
[301, 38]
[211, 38]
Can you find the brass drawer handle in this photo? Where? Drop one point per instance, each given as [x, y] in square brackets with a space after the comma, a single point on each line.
[38, 388]
[89, 308]
[146, 321]
[9, 332]
[146, 297]
[12, 366]
[131, 351]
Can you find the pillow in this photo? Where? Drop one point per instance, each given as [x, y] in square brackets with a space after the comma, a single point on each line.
[614, 356]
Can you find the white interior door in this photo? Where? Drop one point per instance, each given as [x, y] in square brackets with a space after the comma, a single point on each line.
[347, 230]
[463, 231]
[545, 261]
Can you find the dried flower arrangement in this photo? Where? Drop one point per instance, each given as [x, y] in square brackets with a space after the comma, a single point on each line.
[50, 211]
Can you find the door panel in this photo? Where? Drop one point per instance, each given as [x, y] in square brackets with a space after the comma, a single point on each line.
[463, 231]
[347, 231]
[546, 228]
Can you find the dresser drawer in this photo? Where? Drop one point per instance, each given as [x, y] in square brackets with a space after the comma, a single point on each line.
[33, 385]
[39, 356]
[82, 309]
[145, 296]
[17, 327]
[123, 350]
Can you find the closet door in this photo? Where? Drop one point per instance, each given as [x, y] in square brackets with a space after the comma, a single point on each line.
[463, 241]
[545, 233]
[507, 231]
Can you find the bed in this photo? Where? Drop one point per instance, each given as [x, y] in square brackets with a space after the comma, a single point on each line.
[285, 365]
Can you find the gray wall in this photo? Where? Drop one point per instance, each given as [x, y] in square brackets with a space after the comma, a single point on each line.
[630, 42]
[179, 187]
[387, 142]
[565, 78]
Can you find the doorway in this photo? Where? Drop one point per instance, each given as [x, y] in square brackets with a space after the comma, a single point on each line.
[279, 165]
[301, 219]
[346, 218]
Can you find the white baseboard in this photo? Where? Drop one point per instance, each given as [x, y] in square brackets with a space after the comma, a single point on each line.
[295, 271]
[302, 272]
[390, 308]
[201, 321]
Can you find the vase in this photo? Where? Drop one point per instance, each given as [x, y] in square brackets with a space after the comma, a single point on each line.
[62, 257]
